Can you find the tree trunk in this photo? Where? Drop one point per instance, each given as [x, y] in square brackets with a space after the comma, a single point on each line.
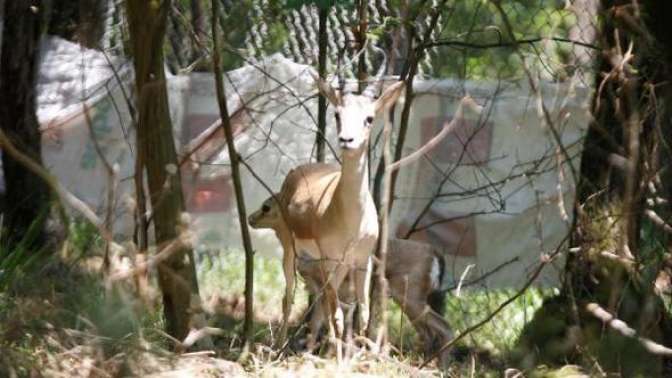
[659, 27]
[26, 195]
[323, 13]
[82, 21]
[618, 257]
[177, 275]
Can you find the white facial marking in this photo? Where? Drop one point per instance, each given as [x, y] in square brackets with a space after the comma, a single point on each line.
[354, 119]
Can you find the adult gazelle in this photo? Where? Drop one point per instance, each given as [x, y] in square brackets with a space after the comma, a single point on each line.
[340, 221]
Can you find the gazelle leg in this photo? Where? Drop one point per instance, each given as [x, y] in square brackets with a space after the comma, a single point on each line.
[431, 326]
[362, 277]
[315, 323]
[288, 267]
[287, 300]
[321, 282]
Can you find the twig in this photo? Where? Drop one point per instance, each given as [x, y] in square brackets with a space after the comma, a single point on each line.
[111, 177]
[197, 334]
[657, 220]
[515, 43]
[448, 127]
[7, 146]
[462, 277]
[622, 327]
[151, 262]
[485, 275]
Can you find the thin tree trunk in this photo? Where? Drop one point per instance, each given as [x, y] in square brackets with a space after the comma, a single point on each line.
[238, 187]
[91, 22]
[414, 54]
[154, 134]
[323, 14]
[198, 26]
[379, 320]
[409, 76]
[361, 43]
[26, 195]
[82, 21]
[379, 288]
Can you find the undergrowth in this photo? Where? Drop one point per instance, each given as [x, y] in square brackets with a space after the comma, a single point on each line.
[59, 319]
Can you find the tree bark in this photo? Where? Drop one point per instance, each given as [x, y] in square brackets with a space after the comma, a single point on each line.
[154, 137]
[26, 195]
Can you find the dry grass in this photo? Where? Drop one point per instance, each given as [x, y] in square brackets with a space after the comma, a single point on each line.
[60, 321]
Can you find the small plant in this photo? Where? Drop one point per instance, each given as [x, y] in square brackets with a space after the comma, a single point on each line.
[21, 257]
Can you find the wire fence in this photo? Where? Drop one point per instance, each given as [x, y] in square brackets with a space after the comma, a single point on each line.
[470, 40]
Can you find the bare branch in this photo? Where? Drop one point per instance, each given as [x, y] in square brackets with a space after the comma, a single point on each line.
[657, 220]
[166, 252]
[471, 45]
[448, 127]
[622, 327]
[69, 198]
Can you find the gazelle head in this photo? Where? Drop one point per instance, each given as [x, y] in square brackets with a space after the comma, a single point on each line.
[354, 114]
[268, 216]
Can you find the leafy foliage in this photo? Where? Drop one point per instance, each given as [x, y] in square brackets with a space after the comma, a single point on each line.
[476, 23]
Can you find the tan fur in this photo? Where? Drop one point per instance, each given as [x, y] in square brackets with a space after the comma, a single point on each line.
[306, 193]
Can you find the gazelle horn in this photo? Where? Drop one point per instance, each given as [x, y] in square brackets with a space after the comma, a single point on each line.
[375, 87]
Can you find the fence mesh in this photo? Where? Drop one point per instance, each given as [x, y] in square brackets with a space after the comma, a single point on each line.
[471, 39]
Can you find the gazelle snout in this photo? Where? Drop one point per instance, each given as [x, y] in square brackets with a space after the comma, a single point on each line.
[266, 216]
[253, 219]
[346, 143]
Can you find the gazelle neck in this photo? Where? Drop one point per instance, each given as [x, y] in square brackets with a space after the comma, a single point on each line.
[353, 187]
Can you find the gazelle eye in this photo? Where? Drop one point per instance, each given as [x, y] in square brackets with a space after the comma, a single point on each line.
[369, 120]
[265, 208]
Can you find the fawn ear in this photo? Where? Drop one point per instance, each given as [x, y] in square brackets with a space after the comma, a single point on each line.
[327, 90]
[389, 96]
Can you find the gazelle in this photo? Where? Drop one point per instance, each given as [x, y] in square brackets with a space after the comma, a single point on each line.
[309, 200]
[344, 224]
[414, 271]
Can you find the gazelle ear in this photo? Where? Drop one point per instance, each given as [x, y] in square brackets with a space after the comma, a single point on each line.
[389, 97]
[327, 90]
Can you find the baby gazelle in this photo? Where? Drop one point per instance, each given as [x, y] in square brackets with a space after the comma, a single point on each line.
[414, 272]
